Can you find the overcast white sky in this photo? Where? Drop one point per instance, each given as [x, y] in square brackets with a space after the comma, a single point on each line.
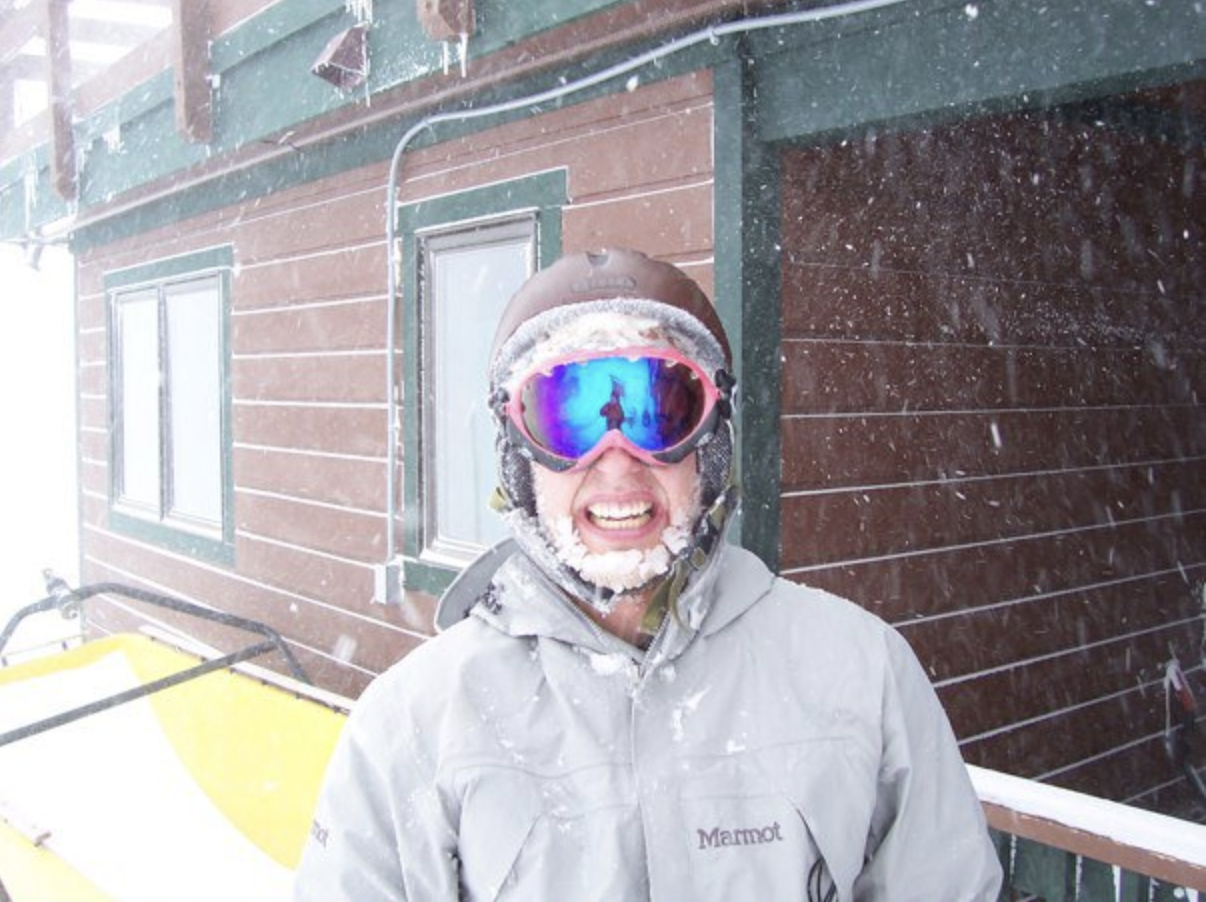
[37, 447]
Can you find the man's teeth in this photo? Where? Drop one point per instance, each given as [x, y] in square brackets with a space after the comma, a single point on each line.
[630, 515]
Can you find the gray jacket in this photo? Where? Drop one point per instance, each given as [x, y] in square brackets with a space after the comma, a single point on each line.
[774, 743]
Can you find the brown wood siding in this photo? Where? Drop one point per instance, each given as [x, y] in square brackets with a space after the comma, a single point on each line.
[992, 433]
[308, 307]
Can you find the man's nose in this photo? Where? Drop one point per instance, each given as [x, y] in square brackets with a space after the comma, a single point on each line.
[617, 459]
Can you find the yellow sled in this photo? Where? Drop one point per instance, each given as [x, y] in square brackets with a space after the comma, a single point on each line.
[132, 770]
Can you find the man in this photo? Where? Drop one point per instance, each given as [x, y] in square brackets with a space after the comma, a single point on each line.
[622, 705]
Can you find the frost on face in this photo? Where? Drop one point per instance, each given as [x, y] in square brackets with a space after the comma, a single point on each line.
[622, 570]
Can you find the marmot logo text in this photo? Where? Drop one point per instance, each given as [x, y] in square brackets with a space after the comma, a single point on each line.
[717, 838]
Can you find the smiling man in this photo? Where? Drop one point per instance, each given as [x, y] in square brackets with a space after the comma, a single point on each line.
[621, 705]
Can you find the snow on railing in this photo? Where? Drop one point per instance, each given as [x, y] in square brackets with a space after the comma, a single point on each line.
[1060, 844]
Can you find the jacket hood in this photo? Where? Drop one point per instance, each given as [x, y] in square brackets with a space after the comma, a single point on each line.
[512, 594]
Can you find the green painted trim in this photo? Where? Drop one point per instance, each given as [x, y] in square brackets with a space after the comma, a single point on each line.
[271, 26]
[931, 59]
[179, 541]
[369, 146]
[164, 534]
[190, 264]
[747, 205]
[545, 193]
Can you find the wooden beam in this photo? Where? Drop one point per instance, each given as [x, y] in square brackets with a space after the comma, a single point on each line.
[58, 80]
[17, 29]
[190, 65]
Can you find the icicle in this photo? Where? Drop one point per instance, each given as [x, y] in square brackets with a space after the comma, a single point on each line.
[361, 9]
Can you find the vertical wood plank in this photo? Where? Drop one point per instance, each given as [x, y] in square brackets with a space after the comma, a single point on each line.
[58, 77]
[190, 68]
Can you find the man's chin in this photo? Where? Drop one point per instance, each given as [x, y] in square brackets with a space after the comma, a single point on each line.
[623, 571]
[618, 570]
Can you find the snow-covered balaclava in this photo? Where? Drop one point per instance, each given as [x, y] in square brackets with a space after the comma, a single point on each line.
[595, 303]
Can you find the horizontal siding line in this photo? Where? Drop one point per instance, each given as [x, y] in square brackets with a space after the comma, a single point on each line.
[356, 615]
[989, 543]
[1152, 790]
[311, 405]
[256, 584]
[289, 259]
[931, 345]
[327, 656]
[375, 298]
[1182, 570]
[575, 135]
[309, 502]
[689, 185]
[316, 552]
[436, 172]
[1064, 652]
[981, 411]
[258, 216]
[170, 629]
[309, 452]
[310, 355]
[154, 586]
[973, 277]
[1139, 687]
[1101, 756]
[991, 477]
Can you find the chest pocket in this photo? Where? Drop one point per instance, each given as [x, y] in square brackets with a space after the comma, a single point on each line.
[787, 823]
[754, 848]
[566, 836]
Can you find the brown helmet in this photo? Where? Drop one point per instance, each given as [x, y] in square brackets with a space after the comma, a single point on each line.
[608, 275]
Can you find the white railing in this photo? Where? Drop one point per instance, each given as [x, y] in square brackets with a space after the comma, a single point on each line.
[1058, 844]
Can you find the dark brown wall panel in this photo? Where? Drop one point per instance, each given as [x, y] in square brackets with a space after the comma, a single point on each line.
[665, 224]
[942, 580]
[343, 481]
[992, 429]
[1032, 690]
[340, 272]
[348, 378]
[859, 450]
[331, 430]
[346, 533]
[312, 225]
[942, 515]
[349, 325]
[876, 376]
[377, 632]
[957, 646]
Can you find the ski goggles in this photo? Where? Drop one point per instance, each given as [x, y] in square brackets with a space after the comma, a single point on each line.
[653, 402]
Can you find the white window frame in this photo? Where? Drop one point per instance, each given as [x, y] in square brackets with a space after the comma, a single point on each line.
[457, 465]
[188, 336]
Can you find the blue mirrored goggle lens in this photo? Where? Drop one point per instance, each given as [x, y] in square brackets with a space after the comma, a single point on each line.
[655, 403]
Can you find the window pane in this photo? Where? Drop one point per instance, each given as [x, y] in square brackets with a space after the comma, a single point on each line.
[138, 399]
[194, 341]
[469, 285]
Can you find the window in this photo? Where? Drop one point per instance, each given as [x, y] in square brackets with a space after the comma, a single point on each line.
[466, 253]
[466, 276]
[169, 404]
